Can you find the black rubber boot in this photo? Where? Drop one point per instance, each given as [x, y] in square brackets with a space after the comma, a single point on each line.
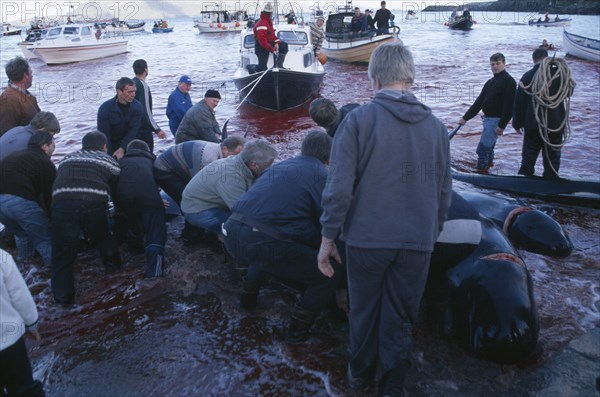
[249, 297]
[300, 323]
[280, 59]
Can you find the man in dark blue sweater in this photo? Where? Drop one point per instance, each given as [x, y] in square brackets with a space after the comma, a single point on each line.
[120, 118]
[274, 228]
[139, 198]
[496, 101]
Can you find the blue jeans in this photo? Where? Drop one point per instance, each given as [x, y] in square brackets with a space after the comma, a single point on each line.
[487, 142]
[30, 225]
[210, 219]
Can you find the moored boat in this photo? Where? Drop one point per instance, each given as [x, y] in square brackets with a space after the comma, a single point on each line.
[550, 22]
[119, 27]
[342, 44]
[221, 21]
[76, 43]
[10, 30]
[460, 22]
[411, 15]
[581, 47]
[280, 88]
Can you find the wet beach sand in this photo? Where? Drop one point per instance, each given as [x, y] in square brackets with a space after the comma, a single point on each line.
[185, 335]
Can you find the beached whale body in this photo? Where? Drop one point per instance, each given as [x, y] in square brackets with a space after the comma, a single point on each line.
[481, 289]
[526, 227]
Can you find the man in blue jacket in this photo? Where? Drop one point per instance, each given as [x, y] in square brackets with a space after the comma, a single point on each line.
[179, 103]
[274, 228]
[120, 118]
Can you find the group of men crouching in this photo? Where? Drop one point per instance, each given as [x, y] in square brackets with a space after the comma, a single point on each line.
[283, 220]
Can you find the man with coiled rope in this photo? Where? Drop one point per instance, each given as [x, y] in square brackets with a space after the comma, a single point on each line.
[540, 111]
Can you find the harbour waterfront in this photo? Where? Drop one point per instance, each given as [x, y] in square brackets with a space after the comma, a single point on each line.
[185, 335]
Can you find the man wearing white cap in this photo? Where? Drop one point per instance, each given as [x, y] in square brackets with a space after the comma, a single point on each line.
[179, 103]
[266, 41]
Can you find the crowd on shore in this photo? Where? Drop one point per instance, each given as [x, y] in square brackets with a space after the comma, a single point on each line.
[317, 221]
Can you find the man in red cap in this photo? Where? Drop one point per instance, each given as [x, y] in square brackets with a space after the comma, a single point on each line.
[266, 41]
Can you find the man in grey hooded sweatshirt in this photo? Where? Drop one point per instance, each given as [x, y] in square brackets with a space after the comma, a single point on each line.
[388, 192]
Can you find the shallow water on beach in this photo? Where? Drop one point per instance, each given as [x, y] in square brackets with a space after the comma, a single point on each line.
[185, 335]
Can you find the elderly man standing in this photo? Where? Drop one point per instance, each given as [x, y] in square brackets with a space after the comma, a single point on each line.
[199, 123]
[389, 233]
[179, 103]
[17, 138]
[210, 195]
[17, 105]
[120, 118]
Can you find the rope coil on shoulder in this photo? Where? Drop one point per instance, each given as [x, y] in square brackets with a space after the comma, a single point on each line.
[541, 89]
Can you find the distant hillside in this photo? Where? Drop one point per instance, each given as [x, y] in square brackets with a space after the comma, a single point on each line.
[581, 7]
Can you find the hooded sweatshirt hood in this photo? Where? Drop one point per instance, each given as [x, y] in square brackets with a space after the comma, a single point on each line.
[412, 114]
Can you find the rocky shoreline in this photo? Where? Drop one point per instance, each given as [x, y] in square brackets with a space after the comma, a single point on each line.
[582, 7]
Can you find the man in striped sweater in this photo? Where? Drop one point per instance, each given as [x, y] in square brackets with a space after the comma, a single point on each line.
[80, 196]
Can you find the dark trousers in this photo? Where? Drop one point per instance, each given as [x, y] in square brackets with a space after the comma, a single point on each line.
[293, 263]
[532, 144]
[385, 288]
[150, 227]
[173, 184]
[70, 218]
[263, 55]
[15, 372]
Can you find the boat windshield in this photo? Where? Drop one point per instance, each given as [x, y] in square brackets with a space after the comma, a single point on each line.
[249, 41]
[293, 37]
[54, 32]
[71, 30]
[85, 31]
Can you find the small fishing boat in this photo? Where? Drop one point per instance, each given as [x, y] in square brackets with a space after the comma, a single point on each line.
[460, 22]
[581, 47]
[550, 22]
[342, 44]
[221, 21]
[116, 27]
[76, 43]
[411, 15]
[162, 26]
[10, 30]
[279, 88]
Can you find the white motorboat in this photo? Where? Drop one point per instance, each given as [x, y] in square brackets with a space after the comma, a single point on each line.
[581, 47]
[76, 43]
[221, 21]
[26, 45]
[279, 88]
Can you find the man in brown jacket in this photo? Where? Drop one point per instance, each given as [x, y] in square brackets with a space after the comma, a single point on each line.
[17, 105]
